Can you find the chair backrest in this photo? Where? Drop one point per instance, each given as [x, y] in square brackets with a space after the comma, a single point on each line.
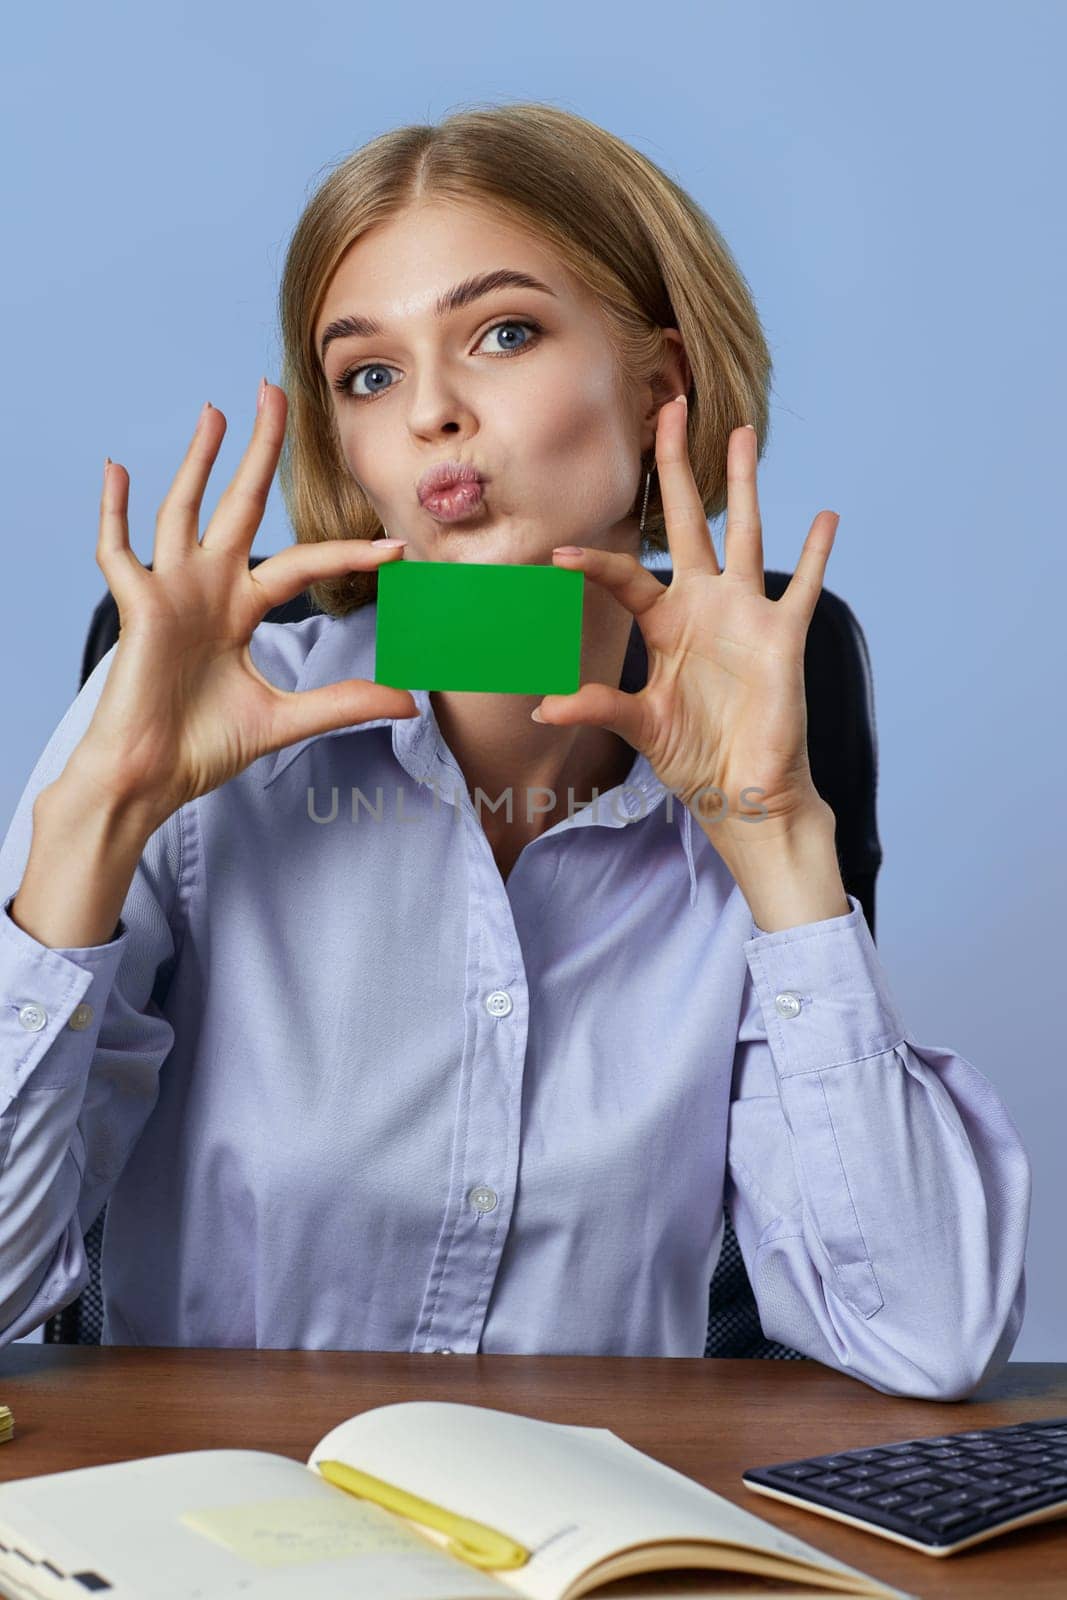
[843, 754]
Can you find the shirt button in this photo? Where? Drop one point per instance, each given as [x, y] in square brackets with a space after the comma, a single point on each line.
[80, 1017]
[482, 1198]
[787, 1004]
[499, 1003]
[32, 1017]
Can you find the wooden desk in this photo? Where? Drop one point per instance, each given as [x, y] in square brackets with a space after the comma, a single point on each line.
[80, 1405]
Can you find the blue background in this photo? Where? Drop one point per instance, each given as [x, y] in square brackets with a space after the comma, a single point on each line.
[891, 184]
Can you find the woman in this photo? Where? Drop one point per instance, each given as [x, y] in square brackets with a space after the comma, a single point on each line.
[429, 1077]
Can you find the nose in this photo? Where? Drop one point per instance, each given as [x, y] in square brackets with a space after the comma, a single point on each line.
[439, 405]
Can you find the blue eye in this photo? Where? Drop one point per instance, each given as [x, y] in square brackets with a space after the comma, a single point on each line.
[376, 368]
[371, 371]
[522, 346]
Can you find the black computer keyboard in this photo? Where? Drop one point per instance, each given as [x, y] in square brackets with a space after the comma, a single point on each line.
[938, 1495]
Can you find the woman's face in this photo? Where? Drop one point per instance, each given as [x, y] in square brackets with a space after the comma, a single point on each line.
[518, 382]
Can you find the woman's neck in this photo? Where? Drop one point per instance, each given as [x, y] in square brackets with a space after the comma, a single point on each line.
[503, 753]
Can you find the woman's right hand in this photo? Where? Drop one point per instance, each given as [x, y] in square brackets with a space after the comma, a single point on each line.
[184, 709]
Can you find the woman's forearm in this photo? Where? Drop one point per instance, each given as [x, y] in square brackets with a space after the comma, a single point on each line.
[83, 853]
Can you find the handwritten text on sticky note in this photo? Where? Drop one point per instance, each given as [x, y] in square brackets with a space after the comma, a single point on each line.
[275, 1533]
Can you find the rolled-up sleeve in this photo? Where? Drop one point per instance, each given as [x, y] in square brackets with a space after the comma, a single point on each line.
[878, 1188]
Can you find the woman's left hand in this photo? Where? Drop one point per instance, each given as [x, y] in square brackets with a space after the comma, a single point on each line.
[724, 708]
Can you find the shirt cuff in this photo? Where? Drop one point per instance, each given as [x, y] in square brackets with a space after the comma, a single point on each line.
[823, 993]
[51, 1004]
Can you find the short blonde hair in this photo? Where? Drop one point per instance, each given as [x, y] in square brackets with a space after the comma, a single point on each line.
[651, 255]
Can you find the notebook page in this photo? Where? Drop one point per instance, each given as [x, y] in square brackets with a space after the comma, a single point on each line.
[706, 1586]
[223, 1524]
[766, 1537]
[572, 1496]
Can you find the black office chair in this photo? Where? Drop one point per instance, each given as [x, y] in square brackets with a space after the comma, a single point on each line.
[843, 753]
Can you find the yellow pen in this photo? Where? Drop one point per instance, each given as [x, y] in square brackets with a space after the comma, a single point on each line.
[471, 1541]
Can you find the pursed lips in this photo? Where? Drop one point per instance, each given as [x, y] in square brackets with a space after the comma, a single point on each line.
[446, 476]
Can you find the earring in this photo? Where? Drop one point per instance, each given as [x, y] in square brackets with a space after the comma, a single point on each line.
[648, 485]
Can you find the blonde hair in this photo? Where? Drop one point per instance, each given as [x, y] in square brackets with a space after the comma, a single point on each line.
[631, 235]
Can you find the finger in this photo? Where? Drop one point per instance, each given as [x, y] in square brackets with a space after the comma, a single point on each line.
[242, 503]
[301, 714]
[288, 573]
[114, 557]
[743, 545]
[688, 535]
[599, 706]
[622, 575]
[178, 518]
[801, 595]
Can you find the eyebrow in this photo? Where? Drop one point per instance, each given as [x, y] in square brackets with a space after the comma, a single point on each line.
[461, 294]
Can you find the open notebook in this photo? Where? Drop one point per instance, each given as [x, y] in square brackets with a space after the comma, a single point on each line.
[593, 1513]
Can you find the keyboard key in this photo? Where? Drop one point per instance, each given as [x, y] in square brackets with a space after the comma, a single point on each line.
[990, 1502]
[950, 1519]
[923, 1511]
[860, 1491]
[952, 1497]
[897, 1480]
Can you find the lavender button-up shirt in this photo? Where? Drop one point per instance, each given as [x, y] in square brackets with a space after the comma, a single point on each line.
[343, 1087]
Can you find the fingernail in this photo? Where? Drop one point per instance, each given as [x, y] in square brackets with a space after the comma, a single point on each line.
[389, 544]
[535, 715]
[750, 425]
[262, 394]
[107, 463]
[680, 399]
[567, 550]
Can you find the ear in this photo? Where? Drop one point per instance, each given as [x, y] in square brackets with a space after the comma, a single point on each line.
[676, 365]
[674, 377]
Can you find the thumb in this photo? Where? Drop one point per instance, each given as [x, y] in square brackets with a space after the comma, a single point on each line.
[598, 706]
[303, 713]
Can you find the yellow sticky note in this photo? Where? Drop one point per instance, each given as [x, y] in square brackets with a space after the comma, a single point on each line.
[286, 1532]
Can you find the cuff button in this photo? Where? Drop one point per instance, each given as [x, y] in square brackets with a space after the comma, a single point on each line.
[787, 1004]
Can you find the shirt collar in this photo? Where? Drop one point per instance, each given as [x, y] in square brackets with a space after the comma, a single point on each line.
[344, 649]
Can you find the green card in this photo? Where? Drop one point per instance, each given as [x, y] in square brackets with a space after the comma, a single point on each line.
[467, 625]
